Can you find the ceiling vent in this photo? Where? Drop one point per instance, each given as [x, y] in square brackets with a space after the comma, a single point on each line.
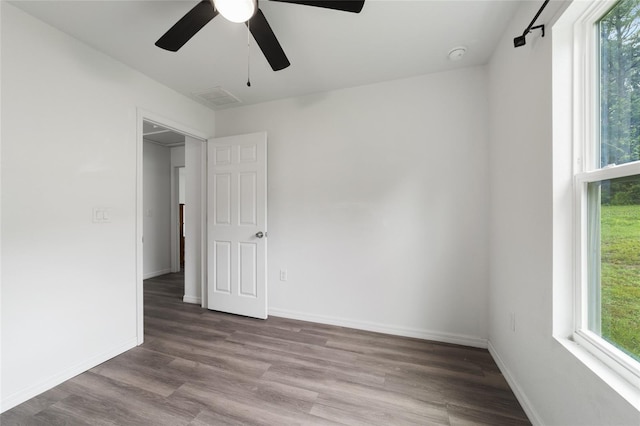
[217, 97]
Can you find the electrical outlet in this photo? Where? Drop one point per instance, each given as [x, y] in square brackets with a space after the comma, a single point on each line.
[283, 275]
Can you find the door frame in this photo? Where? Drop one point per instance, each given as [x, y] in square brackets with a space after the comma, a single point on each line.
[141, 116]
[175, 217]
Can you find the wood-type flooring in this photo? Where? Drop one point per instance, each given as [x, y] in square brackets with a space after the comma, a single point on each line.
[199, 367]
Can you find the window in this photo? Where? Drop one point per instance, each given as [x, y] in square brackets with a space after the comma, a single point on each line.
[608, 192]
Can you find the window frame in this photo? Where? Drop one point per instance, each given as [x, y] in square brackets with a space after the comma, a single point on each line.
[587, 170]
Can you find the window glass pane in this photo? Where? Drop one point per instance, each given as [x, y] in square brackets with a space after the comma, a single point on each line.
[620, 84]
[614, 262]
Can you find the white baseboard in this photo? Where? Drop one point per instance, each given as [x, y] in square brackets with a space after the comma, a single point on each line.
[533, 415]
[156, 274]
[191, 299]
[458, 339]
[53, 381]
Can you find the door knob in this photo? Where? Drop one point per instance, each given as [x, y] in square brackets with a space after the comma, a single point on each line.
[259, 234]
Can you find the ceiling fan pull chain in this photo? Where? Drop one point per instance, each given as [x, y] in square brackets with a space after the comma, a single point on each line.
[248, 54]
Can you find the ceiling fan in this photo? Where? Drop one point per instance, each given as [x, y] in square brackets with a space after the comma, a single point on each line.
[252, 16]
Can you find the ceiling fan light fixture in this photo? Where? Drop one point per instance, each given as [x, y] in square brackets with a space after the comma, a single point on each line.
[236, 10]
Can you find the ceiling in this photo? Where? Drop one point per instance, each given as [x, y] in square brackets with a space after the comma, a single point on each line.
[161, 135]
[328, 49]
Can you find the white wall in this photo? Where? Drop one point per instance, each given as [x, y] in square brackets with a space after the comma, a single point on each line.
[378, 204]
[69, 285]
[177, 156]
[157, 210]
[554, 387]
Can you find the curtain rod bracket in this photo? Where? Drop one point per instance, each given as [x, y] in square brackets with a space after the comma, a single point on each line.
[521, 40]
[541, 27]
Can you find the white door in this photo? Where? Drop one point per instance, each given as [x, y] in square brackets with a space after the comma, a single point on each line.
[237, 224]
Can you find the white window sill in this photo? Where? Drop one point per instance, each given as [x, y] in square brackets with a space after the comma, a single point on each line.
[627, 390]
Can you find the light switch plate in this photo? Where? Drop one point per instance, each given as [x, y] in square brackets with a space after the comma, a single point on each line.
[101, 215]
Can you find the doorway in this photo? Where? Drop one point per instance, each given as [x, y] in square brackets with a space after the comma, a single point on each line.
[163, 158]
[169, 174]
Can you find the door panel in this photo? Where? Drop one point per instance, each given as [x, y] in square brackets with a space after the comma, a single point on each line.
[222, 198]
[248, 199]
[222, 267]
[248, 269]
[237, 224]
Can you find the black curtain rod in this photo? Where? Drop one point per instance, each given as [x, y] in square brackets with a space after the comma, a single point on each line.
[521, 40]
